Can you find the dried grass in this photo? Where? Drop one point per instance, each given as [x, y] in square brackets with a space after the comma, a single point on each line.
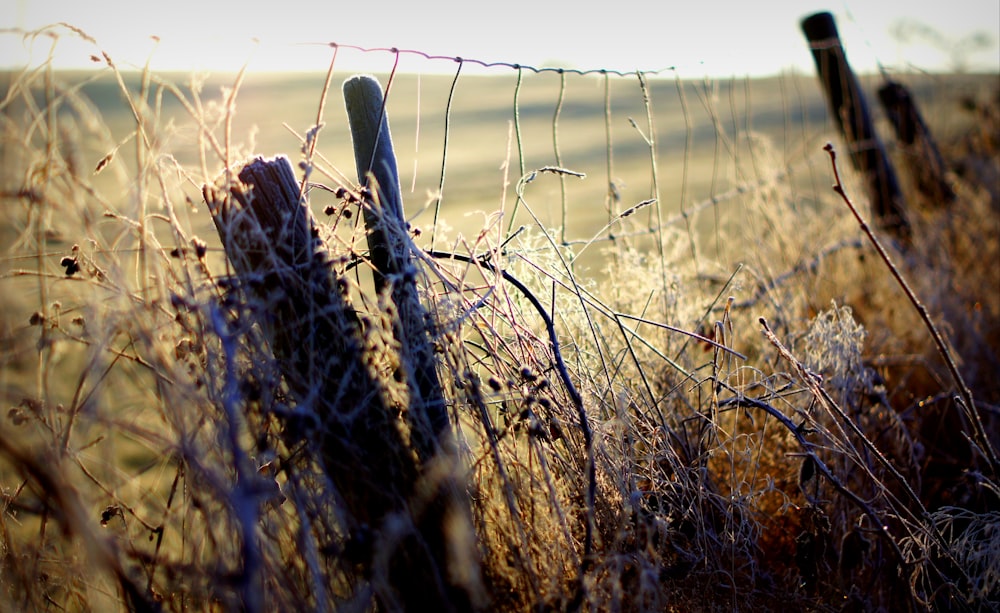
[154, 457]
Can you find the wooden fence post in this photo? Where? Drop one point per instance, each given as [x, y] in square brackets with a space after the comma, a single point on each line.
[850, 110]
[316, 337]
[392, 255]
[927, 167]
[314, 334]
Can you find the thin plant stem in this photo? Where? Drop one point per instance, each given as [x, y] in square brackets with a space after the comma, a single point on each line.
[964, 393]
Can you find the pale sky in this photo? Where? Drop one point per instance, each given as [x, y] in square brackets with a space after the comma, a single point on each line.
[718, 38]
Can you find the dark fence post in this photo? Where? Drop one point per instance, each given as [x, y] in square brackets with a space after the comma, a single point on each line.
[317, 339]
[314, 335]
[850, 110]
[927, 167]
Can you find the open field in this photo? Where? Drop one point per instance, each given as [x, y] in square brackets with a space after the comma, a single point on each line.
[625, 437]
[711, 137]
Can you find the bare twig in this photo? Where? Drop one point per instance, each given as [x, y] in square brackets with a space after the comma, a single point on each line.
[812, 383]
[821, 467]
[965, 399]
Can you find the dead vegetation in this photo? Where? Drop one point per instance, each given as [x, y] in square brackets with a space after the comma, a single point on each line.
[809, 448]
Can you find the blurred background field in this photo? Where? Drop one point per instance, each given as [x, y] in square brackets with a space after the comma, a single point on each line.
[712, 136]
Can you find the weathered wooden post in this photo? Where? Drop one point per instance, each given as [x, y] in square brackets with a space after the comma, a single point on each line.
[927, 167]
[331, 366]
[313, 332]
[391, 255]
[850, 110]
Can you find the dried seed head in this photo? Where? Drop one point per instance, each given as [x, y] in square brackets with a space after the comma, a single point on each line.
[200, 247]
[71, 265]
[17, 416]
